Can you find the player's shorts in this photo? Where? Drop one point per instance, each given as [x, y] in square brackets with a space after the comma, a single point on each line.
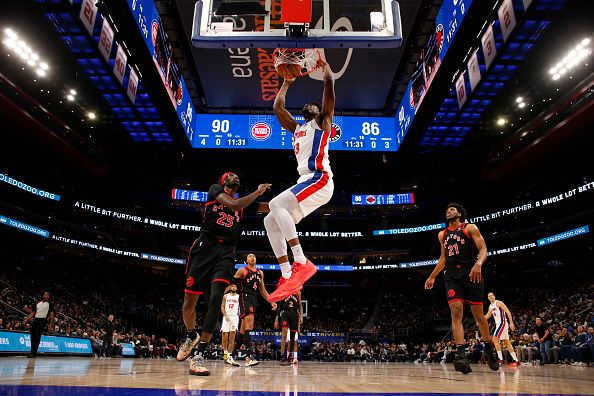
[209, 261]
[290, 320]
[459, 287]
[312, 191]
[502, 331]
[231, 325]
[247, 304]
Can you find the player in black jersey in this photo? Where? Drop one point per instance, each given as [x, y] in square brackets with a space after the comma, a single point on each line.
[463, 280]
[290, 312]
[210, 262]
[251, 283]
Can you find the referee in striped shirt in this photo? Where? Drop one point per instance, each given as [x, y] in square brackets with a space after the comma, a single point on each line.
[43, 313]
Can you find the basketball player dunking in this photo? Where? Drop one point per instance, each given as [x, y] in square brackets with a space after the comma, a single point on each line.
[463, 280]
[251, 281]
[313, 189]
[503, 323]
[210, 263]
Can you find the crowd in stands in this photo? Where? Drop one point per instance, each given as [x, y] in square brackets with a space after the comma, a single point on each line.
[83, 298]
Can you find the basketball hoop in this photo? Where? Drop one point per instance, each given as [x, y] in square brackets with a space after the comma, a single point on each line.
[306, 59]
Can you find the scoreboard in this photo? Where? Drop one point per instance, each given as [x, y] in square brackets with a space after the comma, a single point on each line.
[248, 131]
[386, 199]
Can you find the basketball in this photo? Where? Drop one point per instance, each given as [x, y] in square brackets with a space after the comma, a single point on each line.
[288, 71]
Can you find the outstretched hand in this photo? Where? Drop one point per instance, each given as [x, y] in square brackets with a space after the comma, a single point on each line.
[321, 63]
[262, 188]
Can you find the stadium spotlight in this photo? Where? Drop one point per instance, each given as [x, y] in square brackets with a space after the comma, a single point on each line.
[73, 92]
[70, 97]
[91, 115]
[519, 99]
[574, 57]
[501, 121]
[521, 105]
[21, 49]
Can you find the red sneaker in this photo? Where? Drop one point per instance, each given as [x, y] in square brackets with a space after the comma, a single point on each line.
[513, 364]
[287, 287]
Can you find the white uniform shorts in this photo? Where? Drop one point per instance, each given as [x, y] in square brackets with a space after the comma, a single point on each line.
[231, 325]
[501, 331]
[312, 191]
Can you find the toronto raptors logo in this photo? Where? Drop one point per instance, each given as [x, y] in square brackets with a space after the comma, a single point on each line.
[335, 133]
[189, 281]
[451, 293]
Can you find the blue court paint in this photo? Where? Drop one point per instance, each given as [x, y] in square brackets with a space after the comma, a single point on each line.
[47, 390]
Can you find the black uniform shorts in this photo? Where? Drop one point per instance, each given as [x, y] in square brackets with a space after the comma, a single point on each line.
[209, 261]
[290, 320]
[459, 287]
[248, 303]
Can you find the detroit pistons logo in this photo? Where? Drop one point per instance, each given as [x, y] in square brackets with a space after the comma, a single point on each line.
[451, 293]
[335, 133]
[261, 131]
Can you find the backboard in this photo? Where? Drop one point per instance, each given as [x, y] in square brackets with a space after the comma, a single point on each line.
[383, 29]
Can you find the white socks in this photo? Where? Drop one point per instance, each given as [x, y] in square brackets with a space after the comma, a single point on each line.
[286, 269]
[500, 355]
[298, 255]
[514, 356]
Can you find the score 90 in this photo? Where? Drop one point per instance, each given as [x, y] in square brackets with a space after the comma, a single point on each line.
[220, 126]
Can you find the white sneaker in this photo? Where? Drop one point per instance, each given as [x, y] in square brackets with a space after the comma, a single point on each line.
[186, 349]
[249, 362]
[231, 361]
[197, 366]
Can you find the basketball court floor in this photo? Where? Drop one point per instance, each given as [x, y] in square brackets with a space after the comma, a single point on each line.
[131, 377]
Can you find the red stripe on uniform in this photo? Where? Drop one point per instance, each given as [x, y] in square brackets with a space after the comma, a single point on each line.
[221, 280]
[193, 292]
[313, 188]
[474, 302]
[322, 150]
[455, 299]
[210, 203]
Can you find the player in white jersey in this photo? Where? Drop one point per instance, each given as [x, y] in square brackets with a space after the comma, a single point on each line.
[503, 323]
[313, 189]
[230, 310]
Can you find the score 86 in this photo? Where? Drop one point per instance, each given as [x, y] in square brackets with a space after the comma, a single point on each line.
[370, 128]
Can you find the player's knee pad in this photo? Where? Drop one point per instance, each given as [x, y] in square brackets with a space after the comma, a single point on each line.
[217, 290]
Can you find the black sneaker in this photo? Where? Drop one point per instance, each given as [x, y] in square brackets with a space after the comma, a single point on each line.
[462, 365]
[491, 357]
[284, 362]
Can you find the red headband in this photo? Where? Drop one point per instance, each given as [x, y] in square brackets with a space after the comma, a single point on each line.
[222, 181]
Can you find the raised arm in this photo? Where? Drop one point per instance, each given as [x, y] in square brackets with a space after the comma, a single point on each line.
[328, 99]
[240, 203]
[284, 117]
[439, 266]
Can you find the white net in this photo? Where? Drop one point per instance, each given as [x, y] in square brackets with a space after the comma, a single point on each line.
[306, 58]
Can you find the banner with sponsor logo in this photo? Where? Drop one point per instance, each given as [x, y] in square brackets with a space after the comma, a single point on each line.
[23, 186]
[488, 44]
[24, 226]
[305, 339]
[507, 18]
[17, 342]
